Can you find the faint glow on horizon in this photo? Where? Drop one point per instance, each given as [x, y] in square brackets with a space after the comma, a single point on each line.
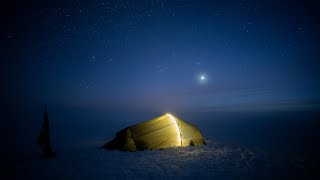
[179, 142]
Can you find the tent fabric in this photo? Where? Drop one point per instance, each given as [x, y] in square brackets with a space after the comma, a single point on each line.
[159, 133]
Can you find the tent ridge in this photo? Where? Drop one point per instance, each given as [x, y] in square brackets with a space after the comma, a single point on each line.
[177, 127]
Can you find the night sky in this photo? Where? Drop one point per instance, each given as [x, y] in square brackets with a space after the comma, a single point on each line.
[161, 54]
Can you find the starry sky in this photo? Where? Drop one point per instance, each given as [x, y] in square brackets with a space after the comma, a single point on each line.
[161, 54]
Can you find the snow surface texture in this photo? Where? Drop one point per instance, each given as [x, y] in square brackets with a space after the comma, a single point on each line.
[213, 160]
[239, 146]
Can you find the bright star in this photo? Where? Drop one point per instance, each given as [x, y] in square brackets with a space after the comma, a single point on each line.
[202, 78]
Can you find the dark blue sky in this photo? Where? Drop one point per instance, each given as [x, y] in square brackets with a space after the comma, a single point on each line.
[253, 55]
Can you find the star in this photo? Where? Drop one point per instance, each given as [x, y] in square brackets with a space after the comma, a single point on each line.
[202, 78]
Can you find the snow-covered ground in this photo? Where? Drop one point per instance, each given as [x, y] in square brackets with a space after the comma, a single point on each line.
[214, 160]
[237, 148]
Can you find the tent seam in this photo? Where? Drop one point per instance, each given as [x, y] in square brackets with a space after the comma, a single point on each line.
[133, 138]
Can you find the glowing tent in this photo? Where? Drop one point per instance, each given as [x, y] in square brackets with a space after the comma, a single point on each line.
[159, 133]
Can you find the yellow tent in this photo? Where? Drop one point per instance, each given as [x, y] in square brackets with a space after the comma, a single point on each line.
[159, 133]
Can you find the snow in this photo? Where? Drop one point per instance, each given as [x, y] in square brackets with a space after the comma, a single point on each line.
[236, 149]
[213, 160]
